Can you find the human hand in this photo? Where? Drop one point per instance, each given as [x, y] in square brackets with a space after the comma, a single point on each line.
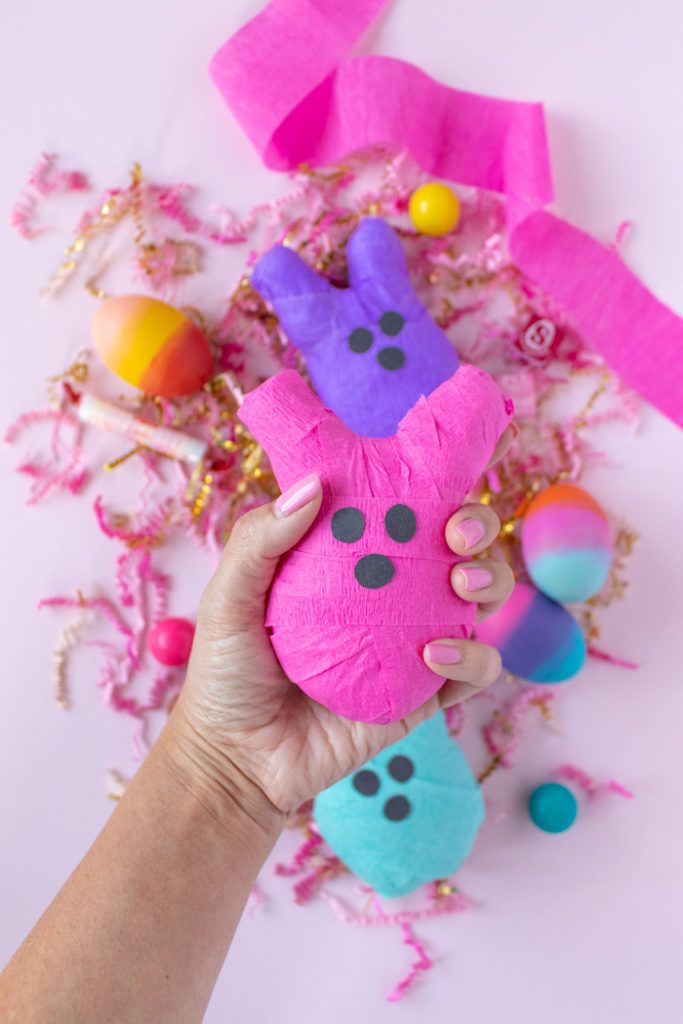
[245, 726]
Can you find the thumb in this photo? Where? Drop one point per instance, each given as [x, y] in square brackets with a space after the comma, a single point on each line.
[236, 594]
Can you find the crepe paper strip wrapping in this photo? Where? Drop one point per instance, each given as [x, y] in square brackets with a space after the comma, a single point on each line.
[640, 337]
[299, 98]
[408, 816]
[354, 603]
[371, 349]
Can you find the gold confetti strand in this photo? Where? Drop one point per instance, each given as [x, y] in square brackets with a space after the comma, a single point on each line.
[193, 483]
[616, 586]
[196, 314]
[204, 491]
[506, 727]
[78, 373]
[490, 768]
[136, 181]
[113, 210]
[116, 784]
[108, 467]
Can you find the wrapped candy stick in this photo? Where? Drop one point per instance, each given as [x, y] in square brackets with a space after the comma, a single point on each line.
[119, 421]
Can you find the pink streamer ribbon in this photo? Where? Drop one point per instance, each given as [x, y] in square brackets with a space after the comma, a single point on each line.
[297, 95]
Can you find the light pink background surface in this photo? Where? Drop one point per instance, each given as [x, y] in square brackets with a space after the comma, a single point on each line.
[585, 926]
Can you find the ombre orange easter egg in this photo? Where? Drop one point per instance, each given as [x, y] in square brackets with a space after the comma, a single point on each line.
[151, 345]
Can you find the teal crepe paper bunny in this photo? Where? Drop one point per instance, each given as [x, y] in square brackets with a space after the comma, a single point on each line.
[371, 349]
[408, 816]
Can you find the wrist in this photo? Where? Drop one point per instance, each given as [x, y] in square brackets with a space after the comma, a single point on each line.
[228, 797]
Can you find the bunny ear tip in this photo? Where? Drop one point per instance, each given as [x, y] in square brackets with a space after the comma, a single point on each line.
[273, 263]
[374, 225]
[374, 234]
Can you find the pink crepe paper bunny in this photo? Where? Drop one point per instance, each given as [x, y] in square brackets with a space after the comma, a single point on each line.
[353, 605]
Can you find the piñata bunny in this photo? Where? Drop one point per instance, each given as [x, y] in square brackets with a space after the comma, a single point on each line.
[409, 815]
[371, 349]
[354, 603]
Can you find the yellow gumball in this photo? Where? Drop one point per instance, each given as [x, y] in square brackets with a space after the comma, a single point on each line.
[434, 209]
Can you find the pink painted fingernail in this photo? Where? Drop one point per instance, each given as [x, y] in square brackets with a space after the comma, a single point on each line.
[443, 654]
[298, 495]
[476, 579]
[471, 531]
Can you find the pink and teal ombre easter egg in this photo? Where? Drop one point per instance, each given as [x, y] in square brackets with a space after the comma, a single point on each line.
[151, 345]
[538, 639]
[566, 543]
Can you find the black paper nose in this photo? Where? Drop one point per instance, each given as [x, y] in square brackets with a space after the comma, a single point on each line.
[391, 358]
[397, 808]
[374, 571]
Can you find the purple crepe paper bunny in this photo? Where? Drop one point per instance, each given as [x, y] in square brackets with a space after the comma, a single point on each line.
[371, 349]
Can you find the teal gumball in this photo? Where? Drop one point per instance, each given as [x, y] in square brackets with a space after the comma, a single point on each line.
[552, 807]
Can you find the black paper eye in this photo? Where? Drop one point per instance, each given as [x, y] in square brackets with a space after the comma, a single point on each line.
[401, 768]
[366, 782]
[397, 808]
[360, 340]
[400, 523]
[348, 524]
[391, 358]
[391, 324]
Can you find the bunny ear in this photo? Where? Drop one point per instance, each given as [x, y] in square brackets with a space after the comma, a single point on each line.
[303, 300]
[374, 253]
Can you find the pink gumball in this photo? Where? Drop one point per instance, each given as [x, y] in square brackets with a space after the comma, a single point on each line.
[170, 640]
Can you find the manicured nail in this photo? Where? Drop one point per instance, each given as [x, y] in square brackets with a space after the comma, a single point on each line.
[475, 579]
[471, 531]
[298, 495]
[443, 654]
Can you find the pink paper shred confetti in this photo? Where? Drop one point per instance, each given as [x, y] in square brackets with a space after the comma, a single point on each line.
[588, 785]
[438, 905]
[44, 180]
[503, 732]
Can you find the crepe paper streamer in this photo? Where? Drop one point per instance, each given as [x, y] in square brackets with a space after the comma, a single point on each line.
[288, 80]
[537, 638]
[151, 345]
[552, 807]
[408, 816]
[567, 543]
[115, 420]
[354, 603]
[371, 349]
